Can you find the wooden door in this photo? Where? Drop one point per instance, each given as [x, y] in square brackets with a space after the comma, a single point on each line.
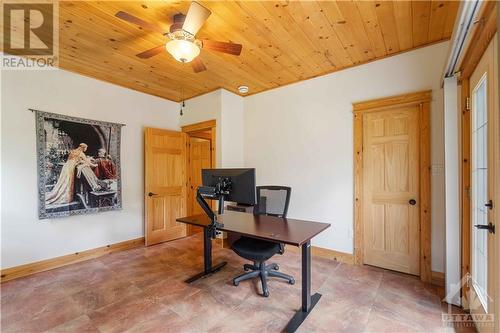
[484, 148]
[165, 185]
[200, 157]
[391, 189]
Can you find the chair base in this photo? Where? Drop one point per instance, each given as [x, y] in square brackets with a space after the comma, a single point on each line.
[260, 269]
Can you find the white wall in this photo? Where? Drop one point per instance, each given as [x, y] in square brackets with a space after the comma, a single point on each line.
[302, 135]
[452, 197]
[233, 130]
[26, 239]
[227, 109]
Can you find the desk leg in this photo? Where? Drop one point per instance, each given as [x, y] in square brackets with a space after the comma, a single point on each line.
[207, 259]
[308, 301]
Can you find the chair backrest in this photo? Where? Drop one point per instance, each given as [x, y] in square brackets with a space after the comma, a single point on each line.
[273, 200]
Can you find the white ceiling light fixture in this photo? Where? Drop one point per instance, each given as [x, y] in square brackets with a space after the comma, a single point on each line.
[183, 50]
[243, 89]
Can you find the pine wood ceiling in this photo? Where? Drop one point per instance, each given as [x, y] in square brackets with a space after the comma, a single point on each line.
[283, 42]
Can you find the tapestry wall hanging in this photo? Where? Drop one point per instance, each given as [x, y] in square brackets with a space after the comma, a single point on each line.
[78, 165]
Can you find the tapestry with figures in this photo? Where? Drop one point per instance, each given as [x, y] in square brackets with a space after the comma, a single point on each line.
[78, 165]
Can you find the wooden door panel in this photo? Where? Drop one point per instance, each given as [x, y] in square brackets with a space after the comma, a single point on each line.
[167, 159]
[200, 157]
[377, 172]
[390, 173]
[158, 218]
[378, 238]
[397, 167]
[398, 229]
[165, 179]
[164, 206]
[397, 125]
[377, 127]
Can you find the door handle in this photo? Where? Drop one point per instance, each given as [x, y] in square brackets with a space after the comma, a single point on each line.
[151, 194]
[489, 204]
[490, 227]
[412, 202]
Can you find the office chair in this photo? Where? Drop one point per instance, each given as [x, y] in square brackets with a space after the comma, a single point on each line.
[273, 201]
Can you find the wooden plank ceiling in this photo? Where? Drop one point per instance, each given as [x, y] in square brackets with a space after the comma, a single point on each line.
[283, 42]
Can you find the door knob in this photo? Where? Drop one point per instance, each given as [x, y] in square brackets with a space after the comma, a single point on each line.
[490, 227]
[151, 194]
[412, 202]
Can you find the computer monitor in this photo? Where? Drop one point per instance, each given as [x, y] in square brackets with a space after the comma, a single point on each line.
[242, 188]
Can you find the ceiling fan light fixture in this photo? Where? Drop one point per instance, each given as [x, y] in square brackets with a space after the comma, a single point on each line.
[183, 50]
[183, 45]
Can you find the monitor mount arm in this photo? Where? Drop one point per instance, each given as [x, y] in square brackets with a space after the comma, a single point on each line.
[221, 189]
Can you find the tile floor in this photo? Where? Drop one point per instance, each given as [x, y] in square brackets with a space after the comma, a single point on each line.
[142, 290]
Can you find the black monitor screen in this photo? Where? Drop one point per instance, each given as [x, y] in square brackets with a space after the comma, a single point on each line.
[242, 183]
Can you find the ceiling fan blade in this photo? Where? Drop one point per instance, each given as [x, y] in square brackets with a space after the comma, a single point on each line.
[139, 22]
[196, 16]
[151, 52]
[225, 47]
[198, 65]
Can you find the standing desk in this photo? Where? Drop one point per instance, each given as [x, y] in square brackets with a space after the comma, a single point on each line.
[275, 229]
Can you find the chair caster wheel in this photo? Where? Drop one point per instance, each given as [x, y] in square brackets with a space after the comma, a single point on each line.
[276, 267]
[291, 281]
[265, 293]
[235, 283]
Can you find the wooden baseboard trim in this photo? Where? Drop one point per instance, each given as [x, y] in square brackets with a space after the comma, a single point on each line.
[48, 264]
[437, 279]
[346, 258]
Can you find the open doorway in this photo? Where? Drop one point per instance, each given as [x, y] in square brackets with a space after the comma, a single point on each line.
[201, 141]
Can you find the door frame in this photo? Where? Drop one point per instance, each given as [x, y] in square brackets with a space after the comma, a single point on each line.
[422, 99]
[480, 40]
[190, 130]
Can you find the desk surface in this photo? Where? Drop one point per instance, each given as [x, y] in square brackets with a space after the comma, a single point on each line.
[276, 229]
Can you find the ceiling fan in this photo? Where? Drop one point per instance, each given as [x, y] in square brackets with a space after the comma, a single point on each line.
[183, 44]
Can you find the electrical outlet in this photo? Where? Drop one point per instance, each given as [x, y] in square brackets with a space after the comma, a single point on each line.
[437, 169]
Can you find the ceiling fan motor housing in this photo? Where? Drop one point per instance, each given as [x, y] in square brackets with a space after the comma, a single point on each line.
[178, 22]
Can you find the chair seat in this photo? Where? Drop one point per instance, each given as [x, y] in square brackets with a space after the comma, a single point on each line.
[255, 249]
